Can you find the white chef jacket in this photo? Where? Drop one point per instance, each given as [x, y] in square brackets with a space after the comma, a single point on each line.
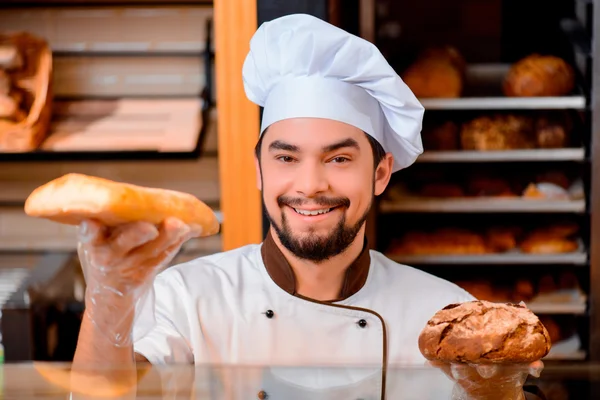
[226, 309]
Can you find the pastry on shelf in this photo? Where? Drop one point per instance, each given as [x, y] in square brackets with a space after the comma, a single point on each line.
[441, 189]
[444, 241]
[539, 75]
[553, 131]
[10, 57]
[483, 289]
[550, 240]
[436, 73]
[502, 239]
[25, 91]
[498, 132]
[440, 136]
[480, 186]
[524, 290]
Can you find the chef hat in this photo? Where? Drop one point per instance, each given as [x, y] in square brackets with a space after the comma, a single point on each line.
[301, 66]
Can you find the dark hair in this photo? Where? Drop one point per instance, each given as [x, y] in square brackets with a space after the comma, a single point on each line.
[376, 147]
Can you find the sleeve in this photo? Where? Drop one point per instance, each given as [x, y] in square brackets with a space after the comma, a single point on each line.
[161, 328]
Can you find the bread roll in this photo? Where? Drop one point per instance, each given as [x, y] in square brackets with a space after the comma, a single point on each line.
[75, 197]
[8, 107]
[438, 72]
[10, 58]
[5, 83]
[484, 332]
[498, 132]
[538, 75]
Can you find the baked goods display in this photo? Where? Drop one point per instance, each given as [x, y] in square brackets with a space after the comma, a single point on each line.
[487, 182]
[25, 91]
[437, 72]
[549, 239]
[499, 131]
[72, 198]
[562, 288]
[516, 131]
[480, 332]
[539, 75]
[442, 72]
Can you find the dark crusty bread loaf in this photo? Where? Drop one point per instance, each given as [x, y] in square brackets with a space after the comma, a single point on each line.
[484, 332]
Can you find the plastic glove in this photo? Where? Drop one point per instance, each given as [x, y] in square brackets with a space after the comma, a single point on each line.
[119, 265]
[489, 381]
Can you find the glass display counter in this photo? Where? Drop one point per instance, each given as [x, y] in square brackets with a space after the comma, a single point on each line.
[55, 381]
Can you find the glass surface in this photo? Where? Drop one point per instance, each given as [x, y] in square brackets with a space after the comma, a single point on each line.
[53, 381]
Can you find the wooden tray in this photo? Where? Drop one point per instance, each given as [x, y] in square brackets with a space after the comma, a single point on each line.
[34, 79]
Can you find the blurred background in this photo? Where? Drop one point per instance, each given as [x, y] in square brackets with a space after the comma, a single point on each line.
[502, 201]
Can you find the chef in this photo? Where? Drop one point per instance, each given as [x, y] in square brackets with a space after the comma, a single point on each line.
[337, 122]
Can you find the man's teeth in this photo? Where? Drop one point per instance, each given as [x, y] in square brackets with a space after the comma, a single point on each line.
[314, 212]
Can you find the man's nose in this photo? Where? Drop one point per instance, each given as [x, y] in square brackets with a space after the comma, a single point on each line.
[311, 179]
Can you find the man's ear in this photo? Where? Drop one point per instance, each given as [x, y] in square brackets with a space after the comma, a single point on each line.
[258, 178]
[383, 173]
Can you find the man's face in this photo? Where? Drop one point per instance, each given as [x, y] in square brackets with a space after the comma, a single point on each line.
[318, 182]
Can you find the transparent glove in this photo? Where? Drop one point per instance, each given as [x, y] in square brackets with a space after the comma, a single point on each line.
[119, 266]
[489, 381]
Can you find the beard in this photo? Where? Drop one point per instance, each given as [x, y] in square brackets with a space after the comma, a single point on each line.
[313, 247]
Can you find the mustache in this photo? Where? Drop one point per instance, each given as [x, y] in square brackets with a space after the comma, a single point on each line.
[325, 202]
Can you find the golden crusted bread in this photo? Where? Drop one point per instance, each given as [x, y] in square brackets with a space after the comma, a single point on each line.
[539, 75]
[437, 72]
[484, 332]
[498, 132]
[75, 197]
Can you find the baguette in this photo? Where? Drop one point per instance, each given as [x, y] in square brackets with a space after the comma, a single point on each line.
[73, 198]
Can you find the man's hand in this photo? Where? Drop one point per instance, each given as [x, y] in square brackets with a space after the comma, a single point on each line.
[489, 381]
[119, 265]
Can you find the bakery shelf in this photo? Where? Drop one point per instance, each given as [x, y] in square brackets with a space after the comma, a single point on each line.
[576, 258]
[558, 308]
[566, 154]
[483, 92]
[130, 129]
[483, 204]
[578, 355]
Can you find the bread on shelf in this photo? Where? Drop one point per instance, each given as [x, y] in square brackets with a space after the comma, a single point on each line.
[550, 239]
[437, 73]
[498, 132]
[25, 91]
[539, 75]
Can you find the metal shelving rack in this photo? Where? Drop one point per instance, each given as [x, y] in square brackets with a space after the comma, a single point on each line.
[580, 33]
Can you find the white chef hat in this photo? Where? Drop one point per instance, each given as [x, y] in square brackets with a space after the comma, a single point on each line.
[301, 66]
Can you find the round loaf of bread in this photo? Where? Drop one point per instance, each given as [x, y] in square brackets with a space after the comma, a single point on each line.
[484, 332]
[539, 75]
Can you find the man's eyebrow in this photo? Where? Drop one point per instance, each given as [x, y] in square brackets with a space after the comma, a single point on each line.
[341, 144]
[280, 145]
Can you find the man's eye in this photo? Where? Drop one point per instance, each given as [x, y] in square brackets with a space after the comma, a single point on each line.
[340, 160]
[285, 159]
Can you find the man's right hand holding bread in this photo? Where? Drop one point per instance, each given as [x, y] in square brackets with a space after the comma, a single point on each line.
[120, 263]
[126, 235]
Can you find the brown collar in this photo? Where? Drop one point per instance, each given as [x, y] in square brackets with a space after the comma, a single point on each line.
[282, 274]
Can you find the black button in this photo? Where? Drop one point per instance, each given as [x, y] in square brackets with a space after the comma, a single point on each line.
[270, 314]
[262, 395]
[362, 323]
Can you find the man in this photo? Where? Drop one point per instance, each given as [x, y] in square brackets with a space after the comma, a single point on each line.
[338, 121]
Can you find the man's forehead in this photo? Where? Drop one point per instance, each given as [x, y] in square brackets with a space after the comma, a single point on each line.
[313, 132]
